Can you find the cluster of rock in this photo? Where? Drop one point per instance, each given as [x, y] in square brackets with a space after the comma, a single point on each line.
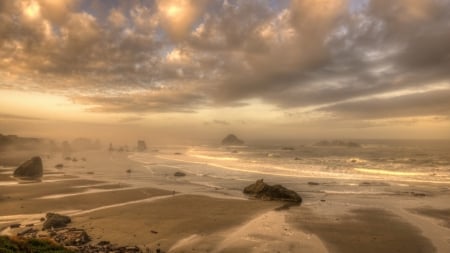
[31, 169]
[105, 246]
[74, 239]
[261, 190]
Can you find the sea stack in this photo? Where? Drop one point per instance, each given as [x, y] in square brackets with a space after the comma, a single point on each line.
[232, 140]
[141, 146]
[30, 169]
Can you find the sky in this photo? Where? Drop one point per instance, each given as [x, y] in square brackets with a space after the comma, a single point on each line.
[195, 70]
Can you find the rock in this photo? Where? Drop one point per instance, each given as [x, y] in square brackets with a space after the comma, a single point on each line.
[26, 231]
[375, 183]
[59, 166]
[72, 237]
[30, 169]
[103, 243]
[418, 194]
[313, 183]
[179, 174]
[264, 191]
[231, 139]
[55, 220]
[141, 146]
[15, 225]
[288, 148]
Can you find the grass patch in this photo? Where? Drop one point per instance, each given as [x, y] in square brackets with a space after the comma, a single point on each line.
[12, 245]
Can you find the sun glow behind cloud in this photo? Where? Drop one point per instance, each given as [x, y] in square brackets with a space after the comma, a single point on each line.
[32, 9]
[368, 69]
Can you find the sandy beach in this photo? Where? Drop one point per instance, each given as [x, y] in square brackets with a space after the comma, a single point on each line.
[187, 215]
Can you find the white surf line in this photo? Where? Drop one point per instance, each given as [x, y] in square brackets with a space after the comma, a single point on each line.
[391, 173]
[313, 175]
[147, 200]
[26, 218]
[90, 191]
[37, 216]
[185, 242]
[215, 158]
[94, 185]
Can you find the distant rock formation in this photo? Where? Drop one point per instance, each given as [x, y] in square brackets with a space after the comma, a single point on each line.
[264, 191]
[54, 220]
[231, 139]
[30, 169]
[141, 146]
[338, 143]
[20, 143]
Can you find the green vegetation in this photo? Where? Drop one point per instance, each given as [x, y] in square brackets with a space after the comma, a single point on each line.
[8, 245]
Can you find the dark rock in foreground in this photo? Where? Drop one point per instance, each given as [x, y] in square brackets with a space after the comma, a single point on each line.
[231, 139]
[30, 169]
[264, 191]
[55, 220]
[179, 174]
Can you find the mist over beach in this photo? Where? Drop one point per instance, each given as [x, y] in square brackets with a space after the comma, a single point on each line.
[316, 126]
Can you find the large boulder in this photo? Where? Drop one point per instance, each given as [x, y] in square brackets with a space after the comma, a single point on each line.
[232, 140]
[264, 191]
[54, 220]
[30, 169]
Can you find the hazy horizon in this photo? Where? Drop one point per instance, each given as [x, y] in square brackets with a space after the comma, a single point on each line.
[183, 71]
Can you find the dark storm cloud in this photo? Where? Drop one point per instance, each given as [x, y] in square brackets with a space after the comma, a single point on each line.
[295, 54]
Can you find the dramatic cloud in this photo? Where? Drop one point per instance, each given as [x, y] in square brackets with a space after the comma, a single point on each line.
[183, 55]
[419, 104]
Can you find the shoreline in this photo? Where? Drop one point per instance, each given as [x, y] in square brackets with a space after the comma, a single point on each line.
[186, 215]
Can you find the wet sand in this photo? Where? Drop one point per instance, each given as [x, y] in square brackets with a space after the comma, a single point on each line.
[364, 230]
[443, 215]
[167, 221]
[337, 216]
